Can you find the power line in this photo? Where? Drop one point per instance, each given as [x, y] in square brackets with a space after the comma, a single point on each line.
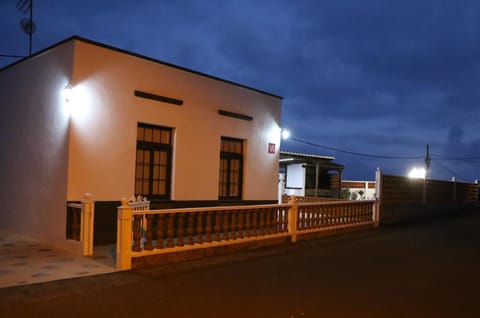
[10, 55]
[466, 159]
[436, 158]
[358, 153]
[451, 171]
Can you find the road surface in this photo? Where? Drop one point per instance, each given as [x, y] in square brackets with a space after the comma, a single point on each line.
[425, 269]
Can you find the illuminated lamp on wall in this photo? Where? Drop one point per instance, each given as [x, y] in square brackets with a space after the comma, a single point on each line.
[68, 93]
[77, 101]
[285, 133]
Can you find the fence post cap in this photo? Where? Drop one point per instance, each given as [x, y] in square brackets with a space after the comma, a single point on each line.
[87, 195]
[124, 201]
[293, 198]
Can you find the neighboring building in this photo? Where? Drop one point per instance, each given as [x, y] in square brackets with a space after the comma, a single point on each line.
[310, 175]
[358, 190]
[82, 117]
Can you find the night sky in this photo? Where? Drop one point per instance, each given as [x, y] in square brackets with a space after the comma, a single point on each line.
[371, 82]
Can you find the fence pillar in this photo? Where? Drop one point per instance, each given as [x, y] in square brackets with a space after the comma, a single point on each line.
[376, 213]
[86, 226]
[124, 236]
[476, 190]
[292, 218]
[454, 191]
[378, 197]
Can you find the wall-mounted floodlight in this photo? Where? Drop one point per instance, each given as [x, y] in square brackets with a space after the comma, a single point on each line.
[68, 92]
[417, 173]
[285, 133]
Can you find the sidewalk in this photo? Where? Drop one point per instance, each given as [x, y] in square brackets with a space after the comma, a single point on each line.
[24, 261]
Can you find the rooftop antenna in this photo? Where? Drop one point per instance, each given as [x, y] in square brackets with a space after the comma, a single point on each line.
[27, 24]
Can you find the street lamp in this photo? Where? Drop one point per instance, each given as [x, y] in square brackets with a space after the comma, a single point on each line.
[417, 173]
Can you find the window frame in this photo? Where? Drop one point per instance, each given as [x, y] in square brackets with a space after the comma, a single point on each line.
[231, 156]
[152, 147]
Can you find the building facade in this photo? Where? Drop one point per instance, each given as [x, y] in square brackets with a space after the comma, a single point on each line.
[82, 117]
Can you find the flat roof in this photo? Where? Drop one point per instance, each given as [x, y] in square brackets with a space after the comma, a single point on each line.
[325, 162]
[108, 47]
[305, 155]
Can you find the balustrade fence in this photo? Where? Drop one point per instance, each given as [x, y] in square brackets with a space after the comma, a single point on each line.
[149, 232]
[287, 198]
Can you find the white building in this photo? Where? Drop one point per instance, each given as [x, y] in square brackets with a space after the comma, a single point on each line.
[310, 175]
[82, 117]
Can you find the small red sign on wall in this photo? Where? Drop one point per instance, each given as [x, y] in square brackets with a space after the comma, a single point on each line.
[271, 148]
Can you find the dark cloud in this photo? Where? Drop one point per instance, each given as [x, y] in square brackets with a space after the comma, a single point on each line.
[370, 76]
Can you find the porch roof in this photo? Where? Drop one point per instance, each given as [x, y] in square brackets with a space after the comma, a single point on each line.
[325, 162]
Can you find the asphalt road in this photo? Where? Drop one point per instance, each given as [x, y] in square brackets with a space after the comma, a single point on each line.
[426, 269]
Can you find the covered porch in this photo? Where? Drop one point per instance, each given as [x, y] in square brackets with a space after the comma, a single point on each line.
[310, 175]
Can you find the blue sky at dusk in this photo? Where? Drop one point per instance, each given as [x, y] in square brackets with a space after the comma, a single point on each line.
[371, 82]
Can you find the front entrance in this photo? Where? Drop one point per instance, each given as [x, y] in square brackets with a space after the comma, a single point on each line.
[105, 225]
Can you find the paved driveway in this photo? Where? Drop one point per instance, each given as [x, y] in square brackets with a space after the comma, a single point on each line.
[427, 269]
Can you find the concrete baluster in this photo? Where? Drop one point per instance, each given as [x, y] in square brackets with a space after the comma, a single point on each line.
[190, 228]
[217, 226]
[316, 212]
[240, 218]
[170, 229]
[208, 227]
[248, 226]
[149, 232]
[137, 232]
[199, 239]
[160, 225]
[275, 220]
[261, 222]
[234, 225]
[180, 229]
[284, 216]
[226, 228]
[254, 223]
[268, 221]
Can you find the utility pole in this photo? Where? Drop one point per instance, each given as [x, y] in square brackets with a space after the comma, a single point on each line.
[428, 161]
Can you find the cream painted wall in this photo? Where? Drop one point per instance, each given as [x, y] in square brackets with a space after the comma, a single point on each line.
[34, 143]
[103, 129]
